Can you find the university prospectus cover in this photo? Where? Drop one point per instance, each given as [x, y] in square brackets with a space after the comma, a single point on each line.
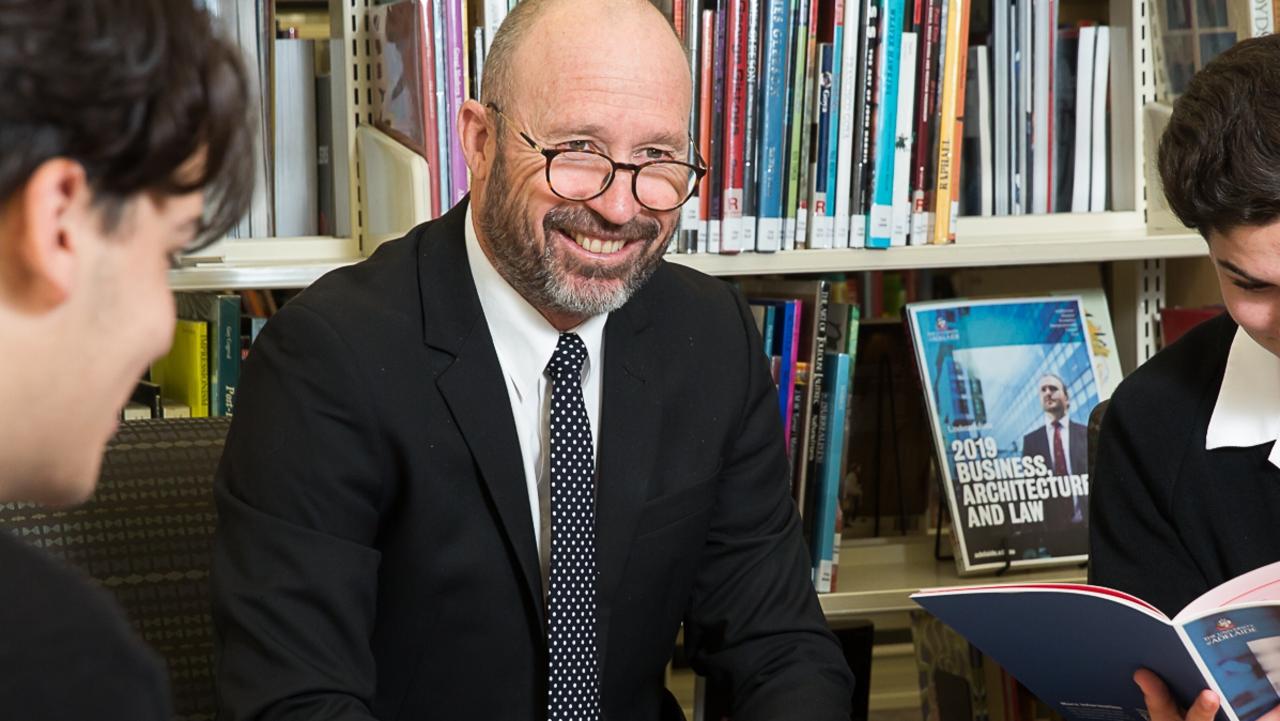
[1010, 384]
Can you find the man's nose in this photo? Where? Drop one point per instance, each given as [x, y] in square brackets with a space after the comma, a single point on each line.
[617, 204]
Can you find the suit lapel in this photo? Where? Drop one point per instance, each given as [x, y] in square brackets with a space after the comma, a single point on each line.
[631, 411]
[470, 379]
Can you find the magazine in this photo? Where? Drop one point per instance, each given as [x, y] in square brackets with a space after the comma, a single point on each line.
[1076, 646]
[1009, 385]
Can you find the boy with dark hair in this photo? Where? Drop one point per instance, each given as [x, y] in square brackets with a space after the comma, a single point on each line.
[1188, 470]
[124, 141]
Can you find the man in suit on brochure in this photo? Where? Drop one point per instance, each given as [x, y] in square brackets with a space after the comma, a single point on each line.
[490, 471]
[1064, 446]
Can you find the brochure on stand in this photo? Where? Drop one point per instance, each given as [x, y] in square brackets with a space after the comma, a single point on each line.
[1009, 384]
[1076, 646]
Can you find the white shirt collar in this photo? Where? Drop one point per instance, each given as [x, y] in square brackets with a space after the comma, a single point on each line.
[1248, 409]
[523, 338]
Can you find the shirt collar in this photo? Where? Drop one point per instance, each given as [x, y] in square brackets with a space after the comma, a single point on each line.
[1248, 409]
[523, 338]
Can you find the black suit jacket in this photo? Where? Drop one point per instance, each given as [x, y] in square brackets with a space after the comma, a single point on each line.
[375, 553]
[1036, 443]
[1171, 519]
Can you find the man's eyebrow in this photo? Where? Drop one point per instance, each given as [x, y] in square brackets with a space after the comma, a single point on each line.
[1233, 268]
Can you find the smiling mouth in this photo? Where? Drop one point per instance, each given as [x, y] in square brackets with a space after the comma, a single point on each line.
[593, 245]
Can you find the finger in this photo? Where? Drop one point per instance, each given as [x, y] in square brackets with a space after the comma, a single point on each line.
[1156, 695]
[1272, 715]
[1204, 708]
[1161, 706]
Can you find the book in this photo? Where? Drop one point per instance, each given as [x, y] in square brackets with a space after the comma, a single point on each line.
[1009, 385]
[294, 164]
[1227, 640]
[830, 449]
[183, 373]
[221, 312]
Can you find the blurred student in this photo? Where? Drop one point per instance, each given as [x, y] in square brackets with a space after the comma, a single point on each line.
[123, 142]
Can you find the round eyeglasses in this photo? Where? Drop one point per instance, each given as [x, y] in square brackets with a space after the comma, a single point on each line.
[579, 175]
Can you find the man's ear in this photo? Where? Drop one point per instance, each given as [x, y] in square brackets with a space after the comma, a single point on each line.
[474, 133]
[52, 213]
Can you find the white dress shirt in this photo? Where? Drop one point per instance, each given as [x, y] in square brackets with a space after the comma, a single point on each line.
[525, 342]
[1248, 409]
[1066, 441]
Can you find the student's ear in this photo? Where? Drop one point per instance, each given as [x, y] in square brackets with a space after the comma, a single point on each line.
[51, 213]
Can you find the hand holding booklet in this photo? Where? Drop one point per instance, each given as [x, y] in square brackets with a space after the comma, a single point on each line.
[1076, 646]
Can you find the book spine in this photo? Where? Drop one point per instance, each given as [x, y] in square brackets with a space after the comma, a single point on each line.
[456, 57]
[847, 105]
[227, 353]
[734, 127]
[870, 27]
[795, 120]
[773, 127]
[826, 531]
[431, 111]
[751, 130]
[880, 227]
[833, 128]
[446, 151]
[819, 238]
[1098, 164]
[808, 119]
[902, 143]
[706, 115]
[718, 137]
[951, 98]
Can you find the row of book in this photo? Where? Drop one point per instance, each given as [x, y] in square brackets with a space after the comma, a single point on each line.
[300, 181]
[198, 376]
[811, 339]
[875, 123]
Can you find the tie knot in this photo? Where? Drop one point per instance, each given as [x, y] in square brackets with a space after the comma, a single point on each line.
[1057, 424]
[567, 361]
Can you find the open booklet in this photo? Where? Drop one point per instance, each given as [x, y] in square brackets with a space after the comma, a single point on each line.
[1076, 646]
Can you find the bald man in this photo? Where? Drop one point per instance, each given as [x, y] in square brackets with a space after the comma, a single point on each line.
[490, 471]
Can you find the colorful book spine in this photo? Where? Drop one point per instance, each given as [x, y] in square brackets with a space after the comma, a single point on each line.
[706, 112]
[925, 152]
[183, 373]
[456, 57]
[820, 237]
[808, 117]
[951, 99]
[848, 107]
[439, 200]
[735, 104]
[798, 52]
[751, 124]
[221, 315]
[838, 374]
[833, 127]
[869, 27]
[880, 226]
[773, 126]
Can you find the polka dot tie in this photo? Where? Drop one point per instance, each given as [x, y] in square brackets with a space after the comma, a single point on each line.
[574, 691]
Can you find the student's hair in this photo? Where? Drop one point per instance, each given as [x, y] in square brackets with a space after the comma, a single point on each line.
[132, 90]
[1220, 156]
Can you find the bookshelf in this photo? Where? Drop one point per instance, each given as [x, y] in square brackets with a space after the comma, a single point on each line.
[878, 575]
[1121, 237]
[387, 184]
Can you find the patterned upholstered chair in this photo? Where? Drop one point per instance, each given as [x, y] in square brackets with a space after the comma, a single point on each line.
[146, 536]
